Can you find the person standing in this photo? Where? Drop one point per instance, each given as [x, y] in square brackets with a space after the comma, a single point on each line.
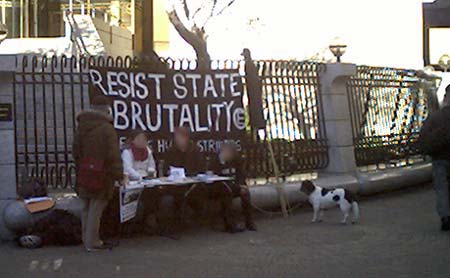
[434, 140]
[98, 166]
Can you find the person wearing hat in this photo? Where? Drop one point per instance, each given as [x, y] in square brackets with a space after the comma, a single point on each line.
[434, 140]
[137, 157]
[98, 166]
[228, 163]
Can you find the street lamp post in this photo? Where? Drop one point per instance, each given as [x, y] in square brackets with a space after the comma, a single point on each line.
[338, 48]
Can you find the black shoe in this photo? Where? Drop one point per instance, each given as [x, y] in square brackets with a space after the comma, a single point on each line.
[445, 226]
[233, 229]
[103, 247]
[251, 226]
[170, 232]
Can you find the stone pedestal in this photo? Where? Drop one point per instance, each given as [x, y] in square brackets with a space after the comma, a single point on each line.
[337, 118]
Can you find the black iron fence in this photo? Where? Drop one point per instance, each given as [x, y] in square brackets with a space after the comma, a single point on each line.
[388, 108]
[50, 91]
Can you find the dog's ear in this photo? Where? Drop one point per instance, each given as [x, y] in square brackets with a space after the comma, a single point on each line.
[307, 187]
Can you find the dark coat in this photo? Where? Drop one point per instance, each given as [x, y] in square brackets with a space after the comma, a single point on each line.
[97, 138]
[192, 160]
[434, 136]
[254, 90]
[232, 168]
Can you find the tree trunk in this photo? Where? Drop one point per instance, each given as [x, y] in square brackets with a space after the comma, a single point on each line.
[196, 38]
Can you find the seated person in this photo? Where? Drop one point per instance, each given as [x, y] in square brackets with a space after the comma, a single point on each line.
[185, 154]
[228, 163]
[138, 163]
[137, 157]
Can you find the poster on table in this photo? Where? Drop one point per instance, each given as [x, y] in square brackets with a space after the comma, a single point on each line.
[129, 201]
[209, 104]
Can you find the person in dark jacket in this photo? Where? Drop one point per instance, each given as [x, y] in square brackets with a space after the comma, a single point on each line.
[185, 154]
[434, 140]
[96, 139]
[228, 163]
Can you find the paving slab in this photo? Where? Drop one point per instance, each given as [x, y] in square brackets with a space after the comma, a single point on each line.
[398, 237]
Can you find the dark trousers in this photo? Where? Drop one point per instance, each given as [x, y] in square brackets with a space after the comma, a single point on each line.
[441, 170]
[204, 193]
[243, 193]
[170, 204]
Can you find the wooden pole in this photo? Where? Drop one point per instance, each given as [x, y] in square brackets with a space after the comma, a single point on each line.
[279, 185]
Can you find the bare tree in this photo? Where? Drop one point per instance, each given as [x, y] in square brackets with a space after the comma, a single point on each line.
[190, 19]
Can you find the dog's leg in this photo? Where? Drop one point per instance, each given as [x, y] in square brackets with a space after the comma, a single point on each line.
[355, 211]
[316, 208]
[320, 215]
[345, 208]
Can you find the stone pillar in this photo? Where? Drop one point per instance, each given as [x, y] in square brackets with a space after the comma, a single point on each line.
[7, 150]
[337, 119]
[143, 27]
[8, 192]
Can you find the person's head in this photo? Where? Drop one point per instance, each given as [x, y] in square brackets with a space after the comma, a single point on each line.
[228, 151]
[101, 104]
[246, 54]
[181, 138]
[446, 101]
[138, 138]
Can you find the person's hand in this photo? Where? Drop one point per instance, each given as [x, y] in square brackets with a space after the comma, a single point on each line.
[124, 181]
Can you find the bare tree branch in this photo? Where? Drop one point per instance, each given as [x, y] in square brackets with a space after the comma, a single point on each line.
[224, 8]
[185, 8]
[195, 37]
[220, 12]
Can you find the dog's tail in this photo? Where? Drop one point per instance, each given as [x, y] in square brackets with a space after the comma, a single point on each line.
[355, 210]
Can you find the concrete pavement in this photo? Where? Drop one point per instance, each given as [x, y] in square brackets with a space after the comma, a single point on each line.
[398, 237]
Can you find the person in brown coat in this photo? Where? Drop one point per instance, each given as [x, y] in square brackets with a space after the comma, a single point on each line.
[98, 166]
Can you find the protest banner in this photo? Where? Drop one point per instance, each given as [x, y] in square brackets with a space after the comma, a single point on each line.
[209, 104]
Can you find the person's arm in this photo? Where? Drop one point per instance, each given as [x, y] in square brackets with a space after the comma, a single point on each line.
[127, 159]
[199, 165]
[113, 158]
[169, 161]
[240, 174]
[432, 135]
[76, 150]
[214, 165]
[151, 169]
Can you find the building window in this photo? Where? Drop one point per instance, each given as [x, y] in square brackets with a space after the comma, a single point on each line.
[45, 18]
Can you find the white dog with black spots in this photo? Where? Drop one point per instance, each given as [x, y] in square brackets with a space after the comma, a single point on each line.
[322, 198]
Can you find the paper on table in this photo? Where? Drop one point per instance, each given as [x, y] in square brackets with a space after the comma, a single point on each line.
[176, 173]
[36, 199]
[135, 185]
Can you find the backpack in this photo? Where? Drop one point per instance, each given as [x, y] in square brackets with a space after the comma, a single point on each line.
[59, 227]
[91, 174]
[31, 187]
